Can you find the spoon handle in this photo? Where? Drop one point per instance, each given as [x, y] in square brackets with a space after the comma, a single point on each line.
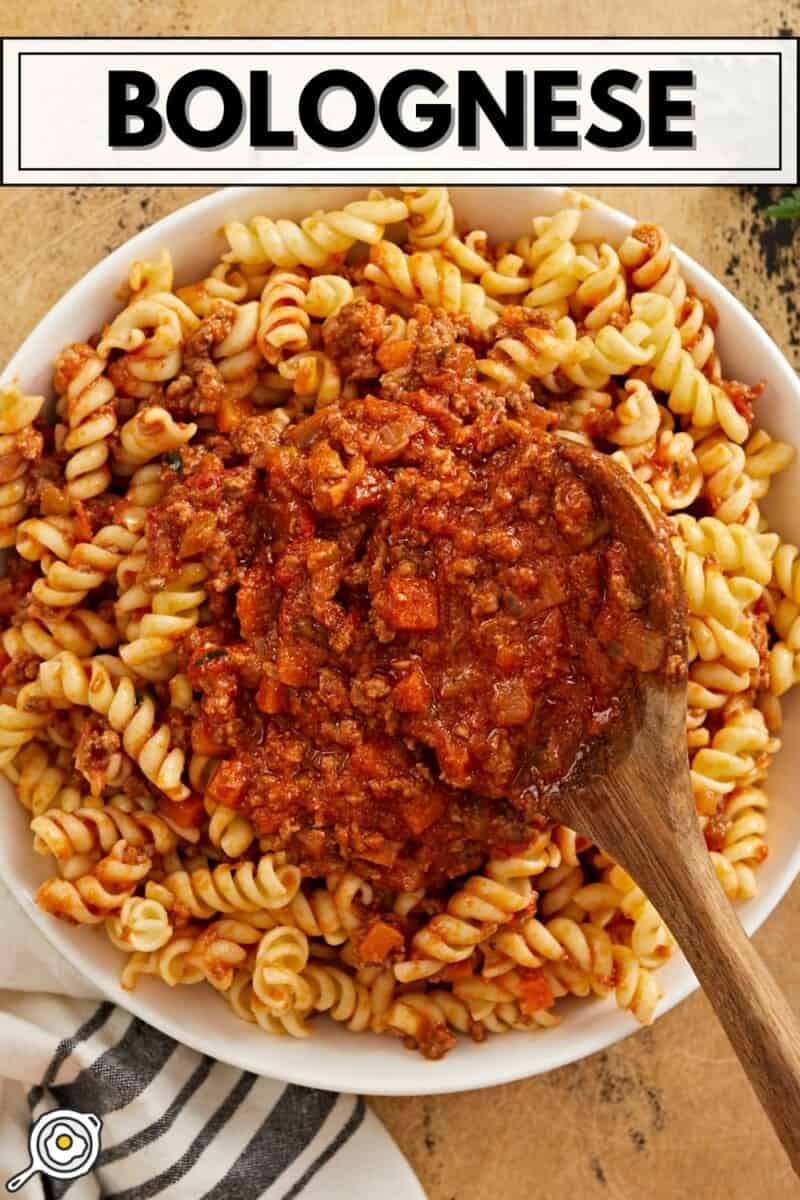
[753, 1011]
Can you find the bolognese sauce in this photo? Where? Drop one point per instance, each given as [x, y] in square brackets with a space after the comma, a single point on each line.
[419, 610]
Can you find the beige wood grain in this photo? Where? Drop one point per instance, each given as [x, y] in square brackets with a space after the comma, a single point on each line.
[667, 1114]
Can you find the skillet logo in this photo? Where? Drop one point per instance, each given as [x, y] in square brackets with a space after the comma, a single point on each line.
[603, 110]
[63, 1144]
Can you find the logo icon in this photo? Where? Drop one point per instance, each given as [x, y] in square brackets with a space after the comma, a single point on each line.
[62, 1144]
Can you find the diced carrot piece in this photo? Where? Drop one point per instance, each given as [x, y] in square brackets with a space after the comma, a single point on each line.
[394, 354]
[203, 742]
[271, 695]
[410, 604]
[199, 536]
[412, 693]
[422, 810]
[535, 992]
[366, 759]
[228, 782]
[383, 855]
[247, 608]
[460, 970]
[231, 412]
[293, 666]
[188, 814]
[379, 942]
[82, 529]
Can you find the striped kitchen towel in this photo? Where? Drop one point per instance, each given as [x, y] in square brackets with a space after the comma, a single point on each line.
[176, 1124]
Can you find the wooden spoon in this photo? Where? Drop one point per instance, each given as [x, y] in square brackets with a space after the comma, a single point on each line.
[639, 807]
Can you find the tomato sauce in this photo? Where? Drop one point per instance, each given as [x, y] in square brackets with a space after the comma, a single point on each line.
[419, 613]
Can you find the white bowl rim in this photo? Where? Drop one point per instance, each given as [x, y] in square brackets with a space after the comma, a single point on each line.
[428, 1079]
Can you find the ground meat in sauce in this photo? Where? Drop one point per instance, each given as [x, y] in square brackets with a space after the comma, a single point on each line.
[200, 388]
[419, 614]
[353, 337]
[96, 748]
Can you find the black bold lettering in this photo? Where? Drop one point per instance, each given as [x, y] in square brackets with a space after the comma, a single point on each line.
[630, 125]
[124, 104]
[261, 136]
[474, 97]
[311, 101]
[178, 99]
[547, 110]
[438, 116]
[663, 108]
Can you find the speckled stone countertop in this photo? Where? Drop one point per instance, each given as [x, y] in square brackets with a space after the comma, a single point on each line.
[668, 1113]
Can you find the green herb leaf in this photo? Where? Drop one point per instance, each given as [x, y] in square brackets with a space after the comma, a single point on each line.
[209, 656]
[175, 462]
[785, 209]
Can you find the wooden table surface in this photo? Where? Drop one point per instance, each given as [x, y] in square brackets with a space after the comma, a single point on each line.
[667, 1113]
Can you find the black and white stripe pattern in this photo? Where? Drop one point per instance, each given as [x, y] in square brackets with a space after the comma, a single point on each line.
[180, 1126]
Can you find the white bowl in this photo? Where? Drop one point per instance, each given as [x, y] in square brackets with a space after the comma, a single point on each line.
[332, 1057]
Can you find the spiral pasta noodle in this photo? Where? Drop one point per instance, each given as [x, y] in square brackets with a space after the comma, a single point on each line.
[472, 914]
[237, 355]
[330, 912]
[17, 414]
[173, 612]
[141, 925]
[283, 322]
[651, 941]
[278, 973]
[150, 333]
[315, 240]
[312, 374]
[248, 887]
[64, 680]
[81, 631]
[602, 295]
[88, 406]
[228, 829]
[552, 256]
[149, 433]
[423, 276]
[89, 899]
[689, 393]
[84, 830]
[170, 962]
[430, 216]
[539, 351]
[647, 255]
[43, 781]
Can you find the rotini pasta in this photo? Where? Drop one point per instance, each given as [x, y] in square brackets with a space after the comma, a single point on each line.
[88, 408]
[553, 258]
[316, 240]
[422, 275]
[141, 926]
[64, 681]
[17, 448]
[149, 433]
[473, 913]
[90, 898]
[278, 972]
[84, 830]
[430, 216]
[248, 887]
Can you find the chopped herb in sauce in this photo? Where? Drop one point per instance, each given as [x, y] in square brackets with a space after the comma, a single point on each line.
[209, 656]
